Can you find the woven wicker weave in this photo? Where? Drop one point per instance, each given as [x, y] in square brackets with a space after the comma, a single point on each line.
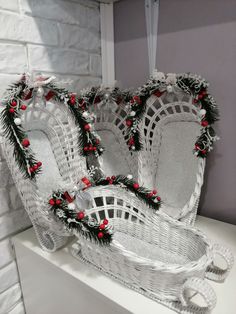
[53, 136]
[153, 255]
[110, 124]
[169, 129]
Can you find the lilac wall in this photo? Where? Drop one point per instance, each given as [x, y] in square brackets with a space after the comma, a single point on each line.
[200, 37]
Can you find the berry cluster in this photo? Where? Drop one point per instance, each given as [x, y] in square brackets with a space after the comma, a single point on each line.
[189, 83]
[60, 205]
[16, 103]
[149, 197]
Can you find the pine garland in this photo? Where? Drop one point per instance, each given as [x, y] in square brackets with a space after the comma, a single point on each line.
[96, 95]
[193, 85]
[78, 221]
[16, 103]
[16, 135]
[87, 140]
[149, 197]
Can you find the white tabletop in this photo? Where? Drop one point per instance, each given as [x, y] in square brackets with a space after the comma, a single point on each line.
[133, 302]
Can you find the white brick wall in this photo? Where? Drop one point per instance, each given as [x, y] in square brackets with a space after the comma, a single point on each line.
[49, 36]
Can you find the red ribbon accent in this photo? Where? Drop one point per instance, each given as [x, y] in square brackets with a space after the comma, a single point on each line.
[28, 96]
[49, 95]
[97, 100]
[68, 197]
[86, 182]
[157, 93]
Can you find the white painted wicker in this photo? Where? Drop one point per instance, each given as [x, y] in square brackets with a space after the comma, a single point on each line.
[154, 255]
[110, 124]
[53, 136]
[169, 130]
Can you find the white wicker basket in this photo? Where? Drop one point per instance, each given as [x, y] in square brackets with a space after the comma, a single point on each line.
[169, 130]
[110, 125]
[53, 136]
[153, 255]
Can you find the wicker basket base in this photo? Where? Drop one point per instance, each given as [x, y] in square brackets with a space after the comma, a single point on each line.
[176, 306]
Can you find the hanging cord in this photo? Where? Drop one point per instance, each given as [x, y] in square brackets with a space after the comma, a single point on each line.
[152, 12]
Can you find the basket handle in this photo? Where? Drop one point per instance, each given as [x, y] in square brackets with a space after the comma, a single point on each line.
[200, 286]
[216, 273]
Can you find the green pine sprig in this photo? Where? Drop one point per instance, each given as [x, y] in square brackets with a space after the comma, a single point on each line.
[142, 193]
[24, 157]
[88, 227]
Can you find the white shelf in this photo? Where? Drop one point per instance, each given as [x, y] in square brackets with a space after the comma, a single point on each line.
[58, 283]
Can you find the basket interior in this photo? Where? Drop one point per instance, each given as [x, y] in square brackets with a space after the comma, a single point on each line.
[177, 247]
[175, 175]
[142, 232]
[113, 159]
[50, 178]
[110, 125]
[169, 130]
[53, 140]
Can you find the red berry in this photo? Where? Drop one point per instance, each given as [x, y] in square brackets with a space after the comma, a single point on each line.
[204, 123]
[195, 101]
[204, 151]
[90, 148]
[58, 202]
[94, 148]
[31, 169]
[23, 107]
[110, 182]
[149, 195]
[14, 103]
[197, 147]
[102, 226]
[86, 148]
[158, 198]
[35, 167]
[137, 99]
[131, 141]
[72, 99]
[200, 96]
[108, 178]
[97, 99]
[135, 186]
[87, 127]
[25, 142]
[129, 122]
[97, 141]
[11, 110]
[154, 192]
[100, 235]
[51, 202]
[157, 93]
[39, 163]
[105, 221]
[113, 177]
[80, 215]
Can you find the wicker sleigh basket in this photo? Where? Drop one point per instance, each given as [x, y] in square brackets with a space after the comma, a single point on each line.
[53, 136]
[153, 255]
[110, 124]
[167, 157]
[169, 130]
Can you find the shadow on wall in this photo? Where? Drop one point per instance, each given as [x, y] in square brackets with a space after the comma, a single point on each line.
[70, 40]
[196, 14]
